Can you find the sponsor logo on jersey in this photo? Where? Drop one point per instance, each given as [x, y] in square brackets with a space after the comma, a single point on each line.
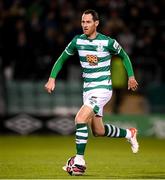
[92, 60]
[117, 46]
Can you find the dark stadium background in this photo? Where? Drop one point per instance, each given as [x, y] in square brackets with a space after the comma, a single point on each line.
[34, 33]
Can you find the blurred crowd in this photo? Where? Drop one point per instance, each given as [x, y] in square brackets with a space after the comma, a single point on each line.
[33, 33]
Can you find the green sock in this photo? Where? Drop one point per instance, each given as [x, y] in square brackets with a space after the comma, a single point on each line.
[113, 131]
[81, 138]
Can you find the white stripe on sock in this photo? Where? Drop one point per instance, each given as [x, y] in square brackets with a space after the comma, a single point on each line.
[81, 141]
[109, 129]
[82, 134]
[118, 132]
[83, 128]
[113, 131]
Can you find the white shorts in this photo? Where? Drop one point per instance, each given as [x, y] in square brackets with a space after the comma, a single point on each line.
[96, 99]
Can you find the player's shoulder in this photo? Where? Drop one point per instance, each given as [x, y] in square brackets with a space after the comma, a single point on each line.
[105, 37]
[80, 36]
[76, 37]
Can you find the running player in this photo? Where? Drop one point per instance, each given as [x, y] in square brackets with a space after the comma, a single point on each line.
[95, 51]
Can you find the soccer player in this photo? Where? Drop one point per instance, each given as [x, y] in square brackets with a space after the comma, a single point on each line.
[95, 51]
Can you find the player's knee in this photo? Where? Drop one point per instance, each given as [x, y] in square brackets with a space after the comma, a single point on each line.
[79, 119]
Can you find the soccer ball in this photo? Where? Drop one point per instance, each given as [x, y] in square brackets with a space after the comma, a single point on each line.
[74, 169]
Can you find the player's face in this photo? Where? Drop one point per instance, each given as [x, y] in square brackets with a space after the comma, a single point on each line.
[88, 24]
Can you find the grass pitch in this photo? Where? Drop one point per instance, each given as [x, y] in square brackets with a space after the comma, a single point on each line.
[42, 157]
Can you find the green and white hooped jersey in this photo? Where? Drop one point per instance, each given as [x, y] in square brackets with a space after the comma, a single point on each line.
[95, 58]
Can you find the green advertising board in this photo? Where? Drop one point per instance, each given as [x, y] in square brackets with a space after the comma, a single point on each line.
[147, 125]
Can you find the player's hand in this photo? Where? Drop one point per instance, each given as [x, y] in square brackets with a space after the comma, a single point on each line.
[50, 85]
[132, 83]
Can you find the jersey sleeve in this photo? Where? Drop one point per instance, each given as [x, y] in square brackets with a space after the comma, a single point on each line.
[71, 47]
[69, 50]
[58, 64]
[114, 47]
[127, 63]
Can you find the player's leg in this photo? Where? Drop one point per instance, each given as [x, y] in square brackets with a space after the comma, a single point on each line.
[109, 130]
[85, 113]
[81, 120]
[99, 129]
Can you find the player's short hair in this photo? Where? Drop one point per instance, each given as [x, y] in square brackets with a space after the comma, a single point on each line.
[93, 13]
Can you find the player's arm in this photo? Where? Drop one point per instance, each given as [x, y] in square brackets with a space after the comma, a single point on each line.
[132, 83]
[50, 85]
[116, 49]
[58, 65]
[69, 51]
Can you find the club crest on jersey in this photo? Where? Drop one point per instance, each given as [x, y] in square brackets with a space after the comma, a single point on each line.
[92, 60]
[82, 47]
[100, 48]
